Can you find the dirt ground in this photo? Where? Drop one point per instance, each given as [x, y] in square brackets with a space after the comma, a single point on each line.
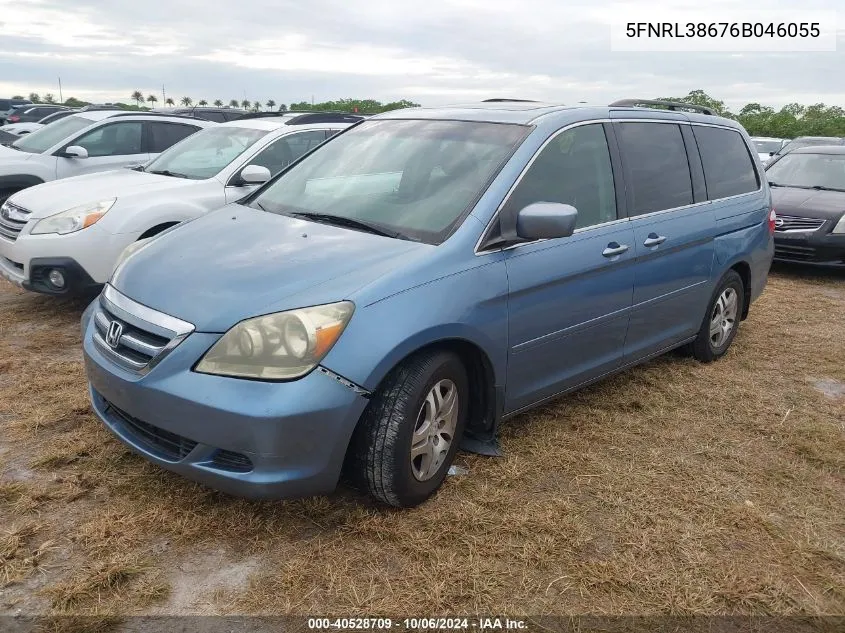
[673, 488]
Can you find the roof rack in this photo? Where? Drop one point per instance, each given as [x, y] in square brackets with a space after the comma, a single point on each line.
[510, 101]
[154, 114]
[325, 117]
[668, 105]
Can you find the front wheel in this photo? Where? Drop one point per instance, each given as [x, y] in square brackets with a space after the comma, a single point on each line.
[409, 434]
[721, 322]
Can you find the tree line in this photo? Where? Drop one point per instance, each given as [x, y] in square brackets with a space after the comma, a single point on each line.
[793, 119]
[148, 102]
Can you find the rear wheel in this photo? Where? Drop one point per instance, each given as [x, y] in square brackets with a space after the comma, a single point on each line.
[721, 322]
[409, 433]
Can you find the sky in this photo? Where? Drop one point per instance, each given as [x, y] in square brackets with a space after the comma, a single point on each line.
[429, 51]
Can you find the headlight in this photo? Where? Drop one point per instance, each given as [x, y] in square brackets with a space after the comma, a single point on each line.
[279, 346]
[74, 219]
[840, 226]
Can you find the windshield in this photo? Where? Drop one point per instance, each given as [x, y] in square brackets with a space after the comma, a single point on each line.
[206, 153]
[809, 142]
[809, 170]
[411, 178]
[44, 138]
[767, 147]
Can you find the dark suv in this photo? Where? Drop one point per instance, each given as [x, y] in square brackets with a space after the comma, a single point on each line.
[33, 114]
[218, 115]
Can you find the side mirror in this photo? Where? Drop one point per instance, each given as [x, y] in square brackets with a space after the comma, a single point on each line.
[771, 153]
[255, 175]
[546, 220]
[76, 151]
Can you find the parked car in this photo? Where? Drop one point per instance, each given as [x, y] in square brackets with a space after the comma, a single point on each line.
[808, 192]
[33, 113]
[76, 228]
[809, 141]
[7, 105]
[418, 278]
[88, 142]
[767, 147]
[209, 113]
[19, 129]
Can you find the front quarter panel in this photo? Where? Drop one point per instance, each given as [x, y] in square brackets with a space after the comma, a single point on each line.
[470, 305]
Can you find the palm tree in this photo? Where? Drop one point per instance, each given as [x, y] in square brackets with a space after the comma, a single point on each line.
[152, 100]
[169, 101]
[138, 97]
[218, 103]
[245, 104]
[186, 101]
[270, 104]
[203, 102]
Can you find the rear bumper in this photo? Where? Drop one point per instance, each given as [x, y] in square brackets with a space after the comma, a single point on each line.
[818, 247]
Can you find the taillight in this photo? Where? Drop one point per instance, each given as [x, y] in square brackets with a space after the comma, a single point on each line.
[14, 118]
[772, 219]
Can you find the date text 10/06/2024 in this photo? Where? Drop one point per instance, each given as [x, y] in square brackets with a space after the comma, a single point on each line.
[418, 624]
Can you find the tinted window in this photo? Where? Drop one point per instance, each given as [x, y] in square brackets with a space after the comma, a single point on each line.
[233, 115]
[163, 135]
[282, 152]
[114, 139]
[414, 177]
[574, 168]
[656, 166]
[728, 167]
[809, 170]
[212, 115]
[43, 139]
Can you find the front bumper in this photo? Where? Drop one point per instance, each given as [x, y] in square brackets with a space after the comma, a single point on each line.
[247, 438]
[86, 259]
[817, 247]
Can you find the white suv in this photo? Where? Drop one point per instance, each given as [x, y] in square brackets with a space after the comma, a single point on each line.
[88, 142]
[65, 237]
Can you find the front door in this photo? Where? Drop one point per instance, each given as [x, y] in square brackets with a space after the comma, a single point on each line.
[569, 298]
[110, 146]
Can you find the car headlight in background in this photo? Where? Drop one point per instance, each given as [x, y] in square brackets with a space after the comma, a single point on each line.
[279, 346]
[74, 219]
[840, 226]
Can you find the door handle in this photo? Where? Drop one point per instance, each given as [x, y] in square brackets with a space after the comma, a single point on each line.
[614, 248]
[654, 239]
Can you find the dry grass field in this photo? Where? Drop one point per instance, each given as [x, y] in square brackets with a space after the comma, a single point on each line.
[673, 488]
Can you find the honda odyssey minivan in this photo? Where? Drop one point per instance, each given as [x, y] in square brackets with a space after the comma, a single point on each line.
[417, 279]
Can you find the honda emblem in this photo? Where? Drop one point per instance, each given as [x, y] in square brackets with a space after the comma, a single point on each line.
[114, 333]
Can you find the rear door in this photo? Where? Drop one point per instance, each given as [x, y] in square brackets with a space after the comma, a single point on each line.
[569, 298]
[110, 146]
[673, 227]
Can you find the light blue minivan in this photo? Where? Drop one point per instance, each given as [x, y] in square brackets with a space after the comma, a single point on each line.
[419, 278]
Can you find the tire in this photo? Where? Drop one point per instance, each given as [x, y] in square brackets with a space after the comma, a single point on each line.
[380, 461]
[726, 305]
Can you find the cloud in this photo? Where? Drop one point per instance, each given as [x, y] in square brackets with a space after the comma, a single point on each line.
[433, 51]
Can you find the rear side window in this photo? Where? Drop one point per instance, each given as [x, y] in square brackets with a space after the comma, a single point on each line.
[164, 135]
[656, 167]
[728, 167]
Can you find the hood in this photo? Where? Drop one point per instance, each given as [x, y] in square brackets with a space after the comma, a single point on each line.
[808, 203]
[239, 262]
[7, 153]
[59, 195]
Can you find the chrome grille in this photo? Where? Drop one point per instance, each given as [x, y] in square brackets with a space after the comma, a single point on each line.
[794, 224]
[132, 335]
[12, 220]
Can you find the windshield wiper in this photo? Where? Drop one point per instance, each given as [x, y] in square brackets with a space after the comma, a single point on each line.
[352, 223]
[775, 184]
[823, 188]
[167, 172]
